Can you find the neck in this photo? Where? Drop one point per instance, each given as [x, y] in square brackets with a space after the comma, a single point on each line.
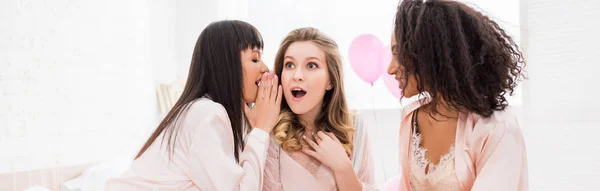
[443, 111]
[309, 118]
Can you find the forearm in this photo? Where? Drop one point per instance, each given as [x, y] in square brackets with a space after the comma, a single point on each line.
[346, 179]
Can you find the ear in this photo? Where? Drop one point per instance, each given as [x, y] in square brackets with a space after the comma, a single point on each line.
[329, 87]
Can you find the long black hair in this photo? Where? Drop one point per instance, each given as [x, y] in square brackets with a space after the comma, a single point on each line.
[216, 70]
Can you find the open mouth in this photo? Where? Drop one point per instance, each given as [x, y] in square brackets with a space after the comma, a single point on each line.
[298, 93]
[257, 83]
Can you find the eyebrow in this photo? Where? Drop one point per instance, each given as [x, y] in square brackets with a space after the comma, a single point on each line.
[308, 58]
[312, 57]
[257, 51]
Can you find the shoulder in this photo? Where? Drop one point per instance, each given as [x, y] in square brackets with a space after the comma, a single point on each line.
[488, 132]
[203, 111]
[499, 122]
[204, 107]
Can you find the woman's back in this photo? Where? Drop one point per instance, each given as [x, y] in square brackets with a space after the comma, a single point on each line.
[205, 137]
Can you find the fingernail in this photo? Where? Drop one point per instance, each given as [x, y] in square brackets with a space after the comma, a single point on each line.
[304, 136]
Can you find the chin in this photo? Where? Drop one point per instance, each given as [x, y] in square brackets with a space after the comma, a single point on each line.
[298, 108]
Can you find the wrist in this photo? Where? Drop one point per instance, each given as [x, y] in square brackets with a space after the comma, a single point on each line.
[266, 128]
[260, 134]
[344, 167]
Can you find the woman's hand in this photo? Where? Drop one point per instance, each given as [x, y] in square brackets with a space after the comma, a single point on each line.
[329, 150]
[267, 105]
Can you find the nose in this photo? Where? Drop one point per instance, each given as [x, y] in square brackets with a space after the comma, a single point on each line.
[298, 76]
[263, 67]
[392, 68]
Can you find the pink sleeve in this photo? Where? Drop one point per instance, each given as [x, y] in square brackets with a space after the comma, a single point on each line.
[502, 164]
[212, 164]
[272, 180]
[366, 172]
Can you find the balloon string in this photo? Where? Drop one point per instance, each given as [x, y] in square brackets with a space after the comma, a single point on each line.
[381, 158]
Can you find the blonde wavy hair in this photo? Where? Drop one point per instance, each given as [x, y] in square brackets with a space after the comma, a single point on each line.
[335, 116]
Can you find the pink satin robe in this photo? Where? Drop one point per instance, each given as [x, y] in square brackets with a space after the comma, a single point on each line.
[489, 152]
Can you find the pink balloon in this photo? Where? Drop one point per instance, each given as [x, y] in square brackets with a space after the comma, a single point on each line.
[366, 57]
[392, 184]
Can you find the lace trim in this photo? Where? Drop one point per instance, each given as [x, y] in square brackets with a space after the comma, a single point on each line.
[422, 161]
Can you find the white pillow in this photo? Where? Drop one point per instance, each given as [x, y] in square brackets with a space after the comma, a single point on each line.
[37, 188]
[95, 177]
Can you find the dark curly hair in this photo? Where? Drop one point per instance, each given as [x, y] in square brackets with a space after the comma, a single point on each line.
[458, 55]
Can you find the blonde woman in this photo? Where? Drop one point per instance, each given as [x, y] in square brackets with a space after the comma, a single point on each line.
[317, 144]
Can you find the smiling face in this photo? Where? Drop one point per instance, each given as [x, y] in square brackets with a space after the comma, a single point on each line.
[396, 69]
[304, 77]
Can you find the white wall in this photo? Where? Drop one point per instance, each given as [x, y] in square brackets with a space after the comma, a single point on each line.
[162, 41]
[192, 17]
[561, 105]
[77, 79]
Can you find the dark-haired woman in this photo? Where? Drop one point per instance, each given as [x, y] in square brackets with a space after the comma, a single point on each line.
[459, 135]
[202, 144]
